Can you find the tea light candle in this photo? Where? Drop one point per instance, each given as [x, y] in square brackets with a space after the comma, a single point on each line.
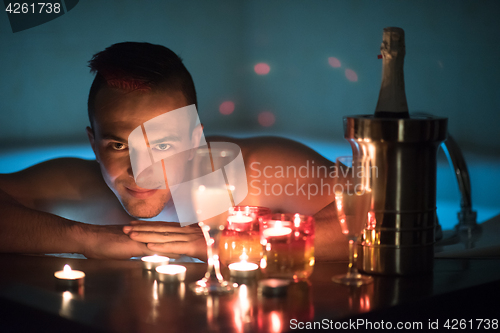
[239, 218]
[277, 231]
[243, 269]
[68, 278]
[151, 262]
[171, 273]
[274, 287]
[239, 222]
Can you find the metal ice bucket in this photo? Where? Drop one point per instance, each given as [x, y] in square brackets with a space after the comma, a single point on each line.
[399, 237]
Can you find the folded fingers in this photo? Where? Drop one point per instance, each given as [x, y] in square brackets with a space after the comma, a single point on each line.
[161, 237]
[161, 227]
[186, 248]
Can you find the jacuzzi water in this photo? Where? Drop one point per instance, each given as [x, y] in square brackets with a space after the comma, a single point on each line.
[484, 174]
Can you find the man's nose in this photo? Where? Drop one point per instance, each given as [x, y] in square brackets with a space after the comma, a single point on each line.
[140, 158]
[130, 172]
[139, 161]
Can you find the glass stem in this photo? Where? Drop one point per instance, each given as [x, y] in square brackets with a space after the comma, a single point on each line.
[213, 269]
[353, 255]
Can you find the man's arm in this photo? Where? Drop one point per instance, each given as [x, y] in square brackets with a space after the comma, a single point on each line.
[26, 229]
[330, 243]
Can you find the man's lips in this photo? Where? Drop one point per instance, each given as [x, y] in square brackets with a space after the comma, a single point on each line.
[140, 193]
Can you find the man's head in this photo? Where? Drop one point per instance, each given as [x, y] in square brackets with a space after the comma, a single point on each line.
[133, 66]
[134, 83]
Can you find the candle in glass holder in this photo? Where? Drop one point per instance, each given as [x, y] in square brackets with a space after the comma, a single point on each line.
[151, 262]
[276, 231]
[288, 246]
[241, 234]
[239, 218]
[243, 269]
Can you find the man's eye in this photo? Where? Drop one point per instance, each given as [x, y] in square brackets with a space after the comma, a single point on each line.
[118, 146]
[162, 146]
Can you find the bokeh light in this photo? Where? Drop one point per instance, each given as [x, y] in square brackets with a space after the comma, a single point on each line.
[262, 68]
[226, 108]
[266, 118]
[351, 75]
[334, 62]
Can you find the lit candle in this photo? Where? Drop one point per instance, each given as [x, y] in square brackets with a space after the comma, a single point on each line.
[239, 218]
[171, 273]
[243, 269]
[240, 222]
[151, 262]
[287, 246]
[68, 278]
[277, 231]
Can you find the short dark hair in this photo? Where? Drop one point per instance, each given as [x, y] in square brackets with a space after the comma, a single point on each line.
[139, 66]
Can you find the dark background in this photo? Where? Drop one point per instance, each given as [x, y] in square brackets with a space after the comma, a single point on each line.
[451, 67]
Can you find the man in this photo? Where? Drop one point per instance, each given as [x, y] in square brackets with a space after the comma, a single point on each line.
[136, 82]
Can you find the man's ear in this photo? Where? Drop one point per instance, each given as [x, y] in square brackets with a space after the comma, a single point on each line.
[195, 138]
[90, 135]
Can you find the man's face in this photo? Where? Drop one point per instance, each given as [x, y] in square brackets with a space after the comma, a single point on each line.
[117, 113]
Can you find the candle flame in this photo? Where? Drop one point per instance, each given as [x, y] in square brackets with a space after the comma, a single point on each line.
[67, 269]
[244, 256]
[276, 323]
[296, 220]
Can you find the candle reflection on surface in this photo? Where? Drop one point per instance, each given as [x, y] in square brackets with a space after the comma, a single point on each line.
[243, 311]
[276, 321]
[153, 315]
[182, 291]
[65, 310]
[360, 298]
[274, 313]
[155, 290]
[300, 306]
[212, 312]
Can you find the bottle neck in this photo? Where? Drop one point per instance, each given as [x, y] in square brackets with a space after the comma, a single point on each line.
[392, 98]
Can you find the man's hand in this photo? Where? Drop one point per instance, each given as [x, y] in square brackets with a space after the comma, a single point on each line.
[109, 242]
[169, 238]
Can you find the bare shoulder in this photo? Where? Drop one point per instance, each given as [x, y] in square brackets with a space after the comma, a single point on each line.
[284, 175]
[269, 149]
[58, 178]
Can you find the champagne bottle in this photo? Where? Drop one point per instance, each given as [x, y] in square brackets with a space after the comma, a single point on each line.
[392, 98]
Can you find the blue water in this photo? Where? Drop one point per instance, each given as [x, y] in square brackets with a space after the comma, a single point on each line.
[484, 173]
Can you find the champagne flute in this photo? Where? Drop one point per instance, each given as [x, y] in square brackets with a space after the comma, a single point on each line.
[352, 200]
[212, 198]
